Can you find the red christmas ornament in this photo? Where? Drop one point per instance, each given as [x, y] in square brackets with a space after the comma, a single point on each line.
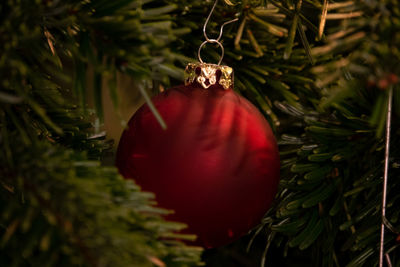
[217, 163]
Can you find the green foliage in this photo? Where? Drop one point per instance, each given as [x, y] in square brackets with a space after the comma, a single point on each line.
[61, 209]
[319, 70]
[330, 202]
[312, 78]
[370, 49]
[59, 205]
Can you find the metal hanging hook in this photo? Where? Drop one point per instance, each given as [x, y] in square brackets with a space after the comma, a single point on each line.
[210, 40]
[222, 27]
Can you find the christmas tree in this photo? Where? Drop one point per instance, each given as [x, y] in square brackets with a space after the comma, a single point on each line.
[325, 74]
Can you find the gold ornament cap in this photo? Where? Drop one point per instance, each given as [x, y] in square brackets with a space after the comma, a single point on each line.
[208, 75]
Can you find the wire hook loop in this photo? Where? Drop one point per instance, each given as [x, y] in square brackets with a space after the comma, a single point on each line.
[212, 41]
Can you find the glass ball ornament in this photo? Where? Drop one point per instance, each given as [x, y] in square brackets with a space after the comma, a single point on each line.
[216, 165]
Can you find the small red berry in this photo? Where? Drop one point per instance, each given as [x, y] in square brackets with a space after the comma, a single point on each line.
[393, 78]
[383, 84]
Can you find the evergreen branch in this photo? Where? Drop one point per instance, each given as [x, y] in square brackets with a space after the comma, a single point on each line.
[120, 234]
